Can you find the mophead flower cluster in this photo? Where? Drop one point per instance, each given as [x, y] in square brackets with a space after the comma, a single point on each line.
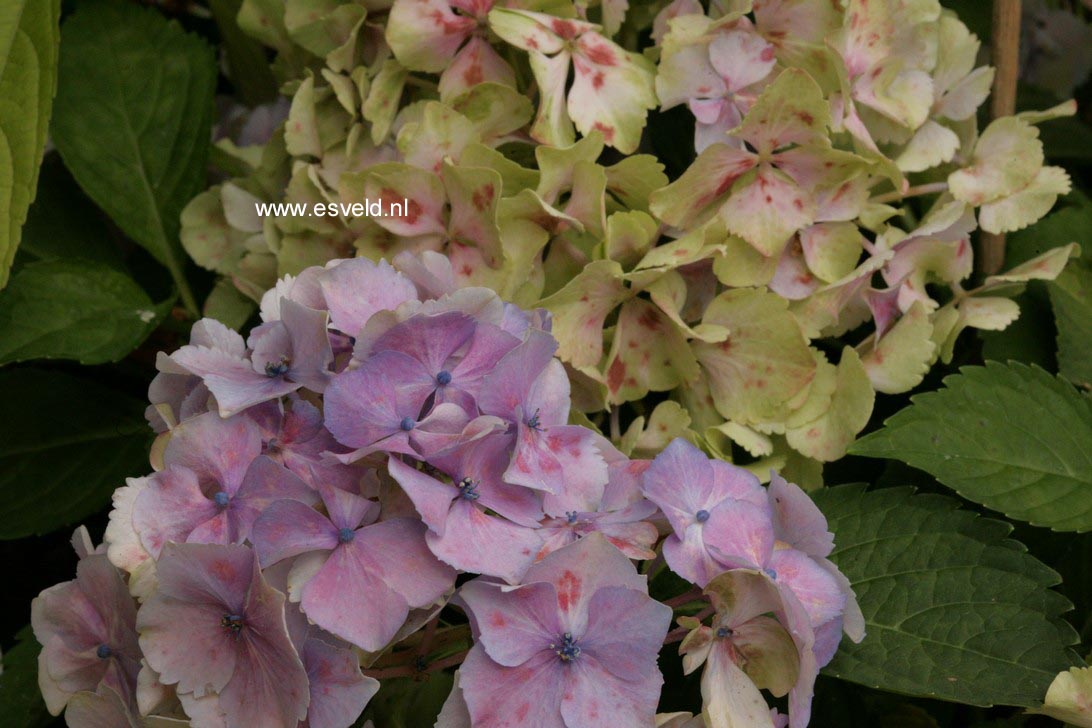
[515, 129]
[384, 471]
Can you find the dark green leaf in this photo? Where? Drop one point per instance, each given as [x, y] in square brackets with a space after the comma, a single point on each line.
[21, 702]
[73, 309]
[1011, 437]
[407, 703]
[133, 118]
[64, 224]
[28, 79]
[245, 56]
[954, 609]
[1071, 297]
[65, 444]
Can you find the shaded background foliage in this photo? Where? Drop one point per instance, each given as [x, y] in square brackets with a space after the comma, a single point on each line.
[70, 432]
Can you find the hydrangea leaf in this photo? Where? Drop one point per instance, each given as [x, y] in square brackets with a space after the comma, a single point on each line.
[126, 77]
[1011, 437]
[953, 609]
[580, 308]
[1006, 159]
[763, 364]
[29, 37]
[649, 353]
[56, 470]
[228, 305]
[74, 309]
[19, 692]
[1071, 298]
[900, 359]
[1027, 205]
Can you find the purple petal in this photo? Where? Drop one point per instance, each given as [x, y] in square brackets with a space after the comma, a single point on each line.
[290, 528]
[217, 450]
[170, 507]
[739, 534]
[475, 542]
[265, 483]
[797, 520]
[356, 289]
[598, 699]
[579, 570]
[514, 625]
[625, 632]
[368, 404]
[513, 697]
[339, 690]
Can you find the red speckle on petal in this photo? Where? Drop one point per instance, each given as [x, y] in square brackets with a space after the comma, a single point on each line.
[482, 197]
[798, 204]
[497, 619]
[805, 117]
[568, 590]
[615, 374]
[606, 131]
[223, 570]
[597, 80]
[473, 74]
[566, 29]
[767, 54]
[521, 712]
[599, 53]
[531, 42]
[649, 320]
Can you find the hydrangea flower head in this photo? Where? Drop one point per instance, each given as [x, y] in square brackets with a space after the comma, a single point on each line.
[215, 627]
[87, 631]
[574, 645]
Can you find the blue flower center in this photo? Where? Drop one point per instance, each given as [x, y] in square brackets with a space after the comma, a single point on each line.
[770, 573]
[568, 650]
[407, 424]
[468, 488]
[570, 517]
[723, 632]
[702, 516]
[103, 652]
[346, 535]
[443, 378]
[277, 368]
[232, 623]
[533, 422]
[221, 499]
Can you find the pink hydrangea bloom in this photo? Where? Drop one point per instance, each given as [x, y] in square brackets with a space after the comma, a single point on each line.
[215, 627]
[364, 577]
[575, 646]
[87, 631]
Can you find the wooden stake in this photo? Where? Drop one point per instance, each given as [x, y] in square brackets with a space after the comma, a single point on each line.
[1006, 59]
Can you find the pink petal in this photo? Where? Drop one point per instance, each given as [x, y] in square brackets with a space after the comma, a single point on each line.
[797, 520]
[290, 528]
[740, 534]
[170, 508]
[355, 289]
[625, 632]
[513, 625]
[475, 542]
[598, 699]
[217, 450]
[513, 697]
[812, 585]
